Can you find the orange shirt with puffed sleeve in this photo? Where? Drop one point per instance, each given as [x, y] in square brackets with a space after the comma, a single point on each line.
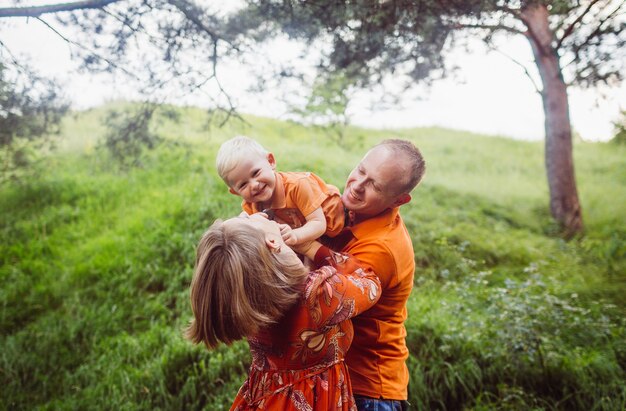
[377, 358]
[298, 194]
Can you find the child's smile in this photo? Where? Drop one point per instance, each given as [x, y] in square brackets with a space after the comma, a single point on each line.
[254, 179]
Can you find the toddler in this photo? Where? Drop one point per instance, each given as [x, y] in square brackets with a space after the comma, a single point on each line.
[302, 200]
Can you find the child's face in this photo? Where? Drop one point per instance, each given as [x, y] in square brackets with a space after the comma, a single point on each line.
[254, 179]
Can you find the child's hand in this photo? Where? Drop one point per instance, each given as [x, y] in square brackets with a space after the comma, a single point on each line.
[289, 236]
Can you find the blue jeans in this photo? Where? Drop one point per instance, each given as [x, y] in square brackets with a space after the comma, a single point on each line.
[377, 404]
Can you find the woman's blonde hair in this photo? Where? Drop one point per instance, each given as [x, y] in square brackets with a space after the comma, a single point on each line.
[238, 285]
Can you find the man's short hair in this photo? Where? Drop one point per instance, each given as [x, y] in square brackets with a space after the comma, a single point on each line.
[415, 164]
[232, 151]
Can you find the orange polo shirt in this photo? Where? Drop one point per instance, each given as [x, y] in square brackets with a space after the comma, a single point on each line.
[298, 194]
[377, 358]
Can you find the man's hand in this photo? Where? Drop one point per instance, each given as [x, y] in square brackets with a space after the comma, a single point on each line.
[289, 236]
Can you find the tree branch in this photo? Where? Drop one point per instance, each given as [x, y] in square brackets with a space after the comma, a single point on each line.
[194, 16]
[512, 11]
[492, 27]
[537, 89]
[137, 30]
[111, 63]
[231, 108]
[570, 29]
[599, 27]
[16, 63]
[36, 11]
[595, 33]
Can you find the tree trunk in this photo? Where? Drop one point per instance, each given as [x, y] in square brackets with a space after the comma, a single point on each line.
[564, 203]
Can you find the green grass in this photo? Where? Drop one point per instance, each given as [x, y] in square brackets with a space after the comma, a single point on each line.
[95, 264]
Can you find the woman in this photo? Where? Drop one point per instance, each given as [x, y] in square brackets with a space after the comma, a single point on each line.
[248, 284]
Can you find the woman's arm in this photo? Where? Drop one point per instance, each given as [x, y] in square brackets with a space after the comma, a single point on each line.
[342, 288]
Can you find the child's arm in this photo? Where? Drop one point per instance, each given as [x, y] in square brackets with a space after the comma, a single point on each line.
[313, 229]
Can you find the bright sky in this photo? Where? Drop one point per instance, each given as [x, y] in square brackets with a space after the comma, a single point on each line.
[490, 93]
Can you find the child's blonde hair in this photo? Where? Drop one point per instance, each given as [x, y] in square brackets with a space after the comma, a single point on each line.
[238, 285]
[232, 151]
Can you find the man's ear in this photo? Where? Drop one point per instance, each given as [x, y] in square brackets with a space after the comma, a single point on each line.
[271, 160]
[402, 199]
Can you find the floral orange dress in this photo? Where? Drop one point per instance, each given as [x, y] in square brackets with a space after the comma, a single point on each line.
[298, 364]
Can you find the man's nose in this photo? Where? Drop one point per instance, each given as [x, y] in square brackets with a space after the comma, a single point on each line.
[358, 185]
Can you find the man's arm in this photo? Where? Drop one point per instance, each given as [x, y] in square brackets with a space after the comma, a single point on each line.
[341, 288]
[378, 258]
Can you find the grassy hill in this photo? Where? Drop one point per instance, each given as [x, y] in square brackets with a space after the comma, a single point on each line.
[96, 260]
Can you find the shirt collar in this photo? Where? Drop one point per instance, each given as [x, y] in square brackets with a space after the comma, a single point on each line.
[384, 219]
[278, 202]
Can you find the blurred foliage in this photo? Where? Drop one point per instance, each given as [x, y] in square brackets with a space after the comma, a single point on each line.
[132, 132]
[129, 133]
[326, 105]
[620, 129]
[31, 109]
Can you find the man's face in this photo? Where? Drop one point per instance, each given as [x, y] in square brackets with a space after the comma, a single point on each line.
[372, 186]
[254, 179]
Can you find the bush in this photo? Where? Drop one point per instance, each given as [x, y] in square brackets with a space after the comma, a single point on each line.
[620, 130]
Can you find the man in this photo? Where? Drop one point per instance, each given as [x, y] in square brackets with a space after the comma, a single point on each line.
[377, 236]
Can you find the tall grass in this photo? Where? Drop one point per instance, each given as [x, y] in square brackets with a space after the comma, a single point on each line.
[95, 264]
